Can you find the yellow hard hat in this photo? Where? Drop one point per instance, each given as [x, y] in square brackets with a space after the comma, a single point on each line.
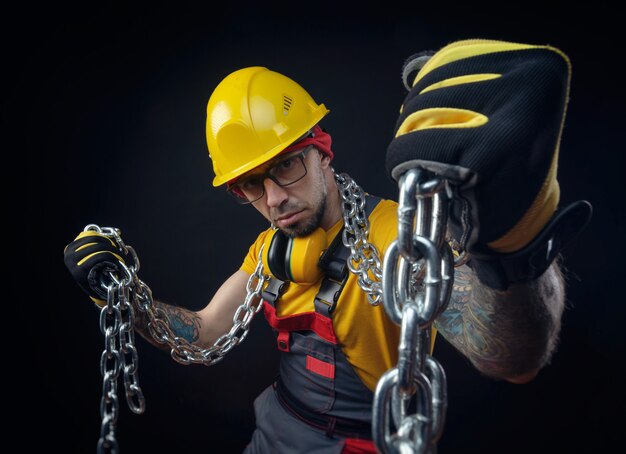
[253, 115]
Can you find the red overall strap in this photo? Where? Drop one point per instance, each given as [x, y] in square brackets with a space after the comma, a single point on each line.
[358, 446]
[311, 321]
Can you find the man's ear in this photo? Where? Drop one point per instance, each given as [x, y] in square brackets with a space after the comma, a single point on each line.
[325, 159]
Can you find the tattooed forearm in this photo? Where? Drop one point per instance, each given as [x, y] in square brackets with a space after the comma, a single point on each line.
[505, 334]
[183, 323]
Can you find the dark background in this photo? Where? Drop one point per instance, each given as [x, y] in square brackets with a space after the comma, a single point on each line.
[105, 113]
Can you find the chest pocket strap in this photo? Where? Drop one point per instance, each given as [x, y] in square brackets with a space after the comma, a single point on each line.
[272, 291]
[334, 264]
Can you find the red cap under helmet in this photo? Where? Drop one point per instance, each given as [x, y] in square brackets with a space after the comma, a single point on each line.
[318, 137]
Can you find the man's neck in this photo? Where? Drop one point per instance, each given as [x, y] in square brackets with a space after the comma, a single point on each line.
[333, 211]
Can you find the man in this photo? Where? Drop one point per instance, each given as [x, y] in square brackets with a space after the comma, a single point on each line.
[487, 116]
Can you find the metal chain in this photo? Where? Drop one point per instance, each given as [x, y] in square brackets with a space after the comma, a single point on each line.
[185, 352]
[418, 381]
[117, 325]
[364, 260]
[120, 354]
[110, 321]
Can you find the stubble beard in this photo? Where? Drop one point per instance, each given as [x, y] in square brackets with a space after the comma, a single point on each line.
[305, 228]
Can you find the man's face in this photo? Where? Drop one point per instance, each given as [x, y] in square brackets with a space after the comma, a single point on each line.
[296, 209]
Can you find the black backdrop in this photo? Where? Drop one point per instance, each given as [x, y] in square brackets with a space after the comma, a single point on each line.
[106, 111]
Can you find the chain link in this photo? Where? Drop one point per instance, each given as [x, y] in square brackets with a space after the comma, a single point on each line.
[120, 354]
[364, 260]
[117, 320]
[418, 381]
[185, 352]
[110, 321]
[414, 285]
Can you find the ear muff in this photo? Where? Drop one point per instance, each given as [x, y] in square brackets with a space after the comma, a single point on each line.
[294, 259]
[276, 246]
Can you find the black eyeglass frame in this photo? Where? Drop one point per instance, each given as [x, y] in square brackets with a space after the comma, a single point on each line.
[243, 200]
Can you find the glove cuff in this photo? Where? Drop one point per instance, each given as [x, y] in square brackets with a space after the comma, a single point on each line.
[535, 218]
[498, 271]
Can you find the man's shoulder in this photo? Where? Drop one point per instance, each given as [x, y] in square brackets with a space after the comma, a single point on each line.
[384, 206]
[383, 224]
[260, 239]
[385, 212]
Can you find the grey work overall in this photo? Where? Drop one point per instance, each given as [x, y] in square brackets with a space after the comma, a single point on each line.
[318, 404]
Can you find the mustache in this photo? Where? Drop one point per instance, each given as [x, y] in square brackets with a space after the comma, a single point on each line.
[287, 208]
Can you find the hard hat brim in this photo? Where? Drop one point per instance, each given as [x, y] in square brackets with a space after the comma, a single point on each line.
[318, 114]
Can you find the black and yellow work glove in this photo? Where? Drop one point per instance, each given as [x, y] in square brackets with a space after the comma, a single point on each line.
[488, 116]
[90, 257]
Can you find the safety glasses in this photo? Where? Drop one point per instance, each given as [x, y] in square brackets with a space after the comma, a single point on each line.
[283, 172]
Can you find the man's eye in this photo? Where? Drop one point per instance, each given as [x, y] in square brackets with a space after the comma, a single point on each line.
[250, 183]
[286, 164]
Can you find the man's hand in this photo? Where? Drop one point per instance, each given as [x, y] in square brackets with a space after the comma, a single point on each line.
[488, 116]
[89, 257]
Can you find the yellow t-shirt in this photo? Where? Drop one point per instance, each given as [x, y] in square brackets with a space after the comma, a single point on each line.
[369, 339]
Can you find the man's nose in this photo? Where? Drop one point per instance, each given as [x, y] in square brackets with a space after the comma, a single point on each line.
[275, 194]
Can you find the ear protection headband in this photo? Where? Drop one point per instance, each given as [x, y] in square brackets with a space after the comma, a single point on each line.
[294, 259]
